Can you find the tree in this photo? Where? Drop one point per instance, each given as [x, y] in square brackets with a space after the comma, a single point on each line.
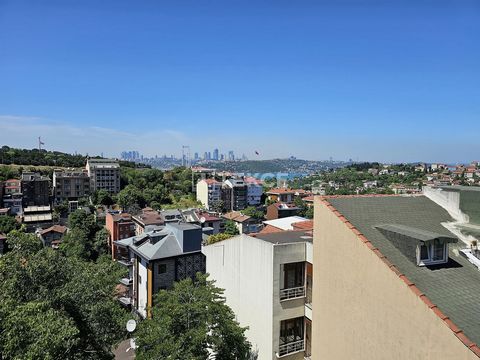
[82, 221]
[54, 306]
[189, 321]
[7, 224]
[231, 228]
[100, 243]
[253, 212]
[130, 196]
[212, 239]
[103, 197]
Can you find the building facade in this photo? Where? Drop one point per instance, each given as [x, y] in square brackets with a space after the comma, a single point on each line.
[209, 193]
[35, 189]
[274, 272]
[391, 282]
[119, 226]
[234, 194]
[70, 185]
[104, 174]
[158, 258]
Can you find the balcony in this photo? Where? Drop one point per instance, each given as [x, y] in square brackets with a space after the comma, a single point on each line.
[126, 281]
[290, 348]
[125, 301]
[292, 293]
[124, 261]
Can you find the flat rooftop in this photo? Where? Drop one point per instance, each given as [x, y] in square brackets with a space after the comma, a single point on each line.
[285, 237]
[454, 287]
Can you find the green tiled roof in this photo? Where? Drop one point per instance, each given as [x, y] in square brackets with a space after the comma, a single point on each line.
[454, 287]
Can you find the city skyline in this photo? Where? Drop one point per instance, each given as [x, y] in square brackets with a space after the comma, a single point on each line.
[377, 82]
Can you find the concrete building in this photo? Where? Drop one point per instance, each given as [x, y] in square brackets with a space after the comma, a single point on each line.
[158, 258]
[70, 185]
[104, 174]
[267, 281]
[210, 223]
[234, 194]
[119, 226]
[254, 191]
[284, 223]
[244, 223]
[35, 189]
[281, 210]
[12, 186]
[148, 217]
[392, 281]
[14, 202]
[37, 216]
[209, 193]
[171, 215]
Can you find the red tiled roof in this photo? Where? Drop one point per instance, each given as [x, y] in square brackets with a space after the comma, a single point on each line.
[55, 228]
[252, 180]
[236, 216]
[211, 181]
[303, 225]
[269, 229]
[280, 191]
[207, 216]
[458, 333]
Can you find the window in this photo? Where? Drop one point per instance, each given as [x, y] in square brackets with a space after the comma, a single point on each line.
[139, 279]
[432, 252]
[293, 275]
[291, 330]
[162, 268]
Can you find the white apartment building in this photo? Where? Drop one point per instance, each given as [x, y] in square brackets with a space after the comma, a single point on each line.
[209, 192]
[267, 281]
[104, 174]
[254, 193]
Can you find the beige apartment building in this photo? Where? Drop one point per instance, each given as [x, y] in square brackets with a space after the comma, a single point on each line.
[391, 282]
[104, 174]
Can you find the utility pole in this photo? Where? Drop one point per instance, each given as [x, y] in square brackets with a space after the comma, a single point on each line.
[40, 143]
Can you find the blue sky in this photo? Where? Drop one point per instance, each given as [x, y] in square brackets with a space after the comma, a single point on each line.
[368, 80]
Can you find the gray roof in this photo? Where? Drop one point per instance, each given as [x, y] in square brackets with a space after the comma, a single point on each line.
[415, 233]
[454, 287]
[285, 237]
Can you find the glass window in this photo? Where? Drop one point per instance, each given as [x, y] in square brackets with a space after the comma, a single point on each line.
[162, 268]
[438, 251]
[291, 330]
[424, 252]
[293, 275]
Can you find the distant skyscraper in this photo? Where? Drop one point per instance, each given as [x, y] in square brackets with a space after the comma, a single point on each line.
[196, 156]
[205, 156]
[209, 155]
[215, 154]
[231, 155]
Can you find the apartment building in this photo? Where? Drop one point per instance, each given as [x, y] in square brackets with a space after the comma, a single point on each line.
[70, 185]
[158, 258]
[104, 174]
[119, 226]
[209, 193]
[244, 223]
[281, 210]
[254, 191]
[268, 283]
[35, 189]
[12, 186]
[234, 194]
[14, 202]
[147, 217]
[395, 278]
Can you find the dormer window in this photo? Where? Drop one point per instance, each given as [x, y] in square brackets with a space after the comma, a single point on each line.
[432, 252]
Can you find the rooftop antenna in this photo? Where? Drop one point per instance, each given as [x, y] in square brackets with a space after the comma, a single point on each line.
[40, 143]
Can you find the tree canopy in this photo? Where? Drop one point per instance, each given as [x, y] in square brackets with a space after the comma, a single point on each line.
[54, 306]
[189, 321]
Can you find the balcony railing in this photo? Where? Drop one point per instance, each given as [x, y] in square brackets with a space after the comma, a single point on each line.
[290, 348]
[292, 293]
[125, 301]
[126, 281]
[124, 261]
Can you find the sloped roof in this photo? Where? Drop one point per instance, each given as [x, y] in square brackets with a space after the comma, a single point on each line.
[55, 228]
[285, 223]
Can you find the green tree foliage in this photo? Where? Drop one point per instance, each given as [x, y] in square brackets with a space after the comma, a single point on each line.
[212, 239]
[7, 224]
[253, 212]
[231, 228]
[129, 197]
[102, 197]
[190, 320]
[54, 306]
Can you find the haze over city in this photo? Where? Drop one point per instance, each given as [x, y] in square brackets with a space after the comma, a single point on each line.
[367, 80]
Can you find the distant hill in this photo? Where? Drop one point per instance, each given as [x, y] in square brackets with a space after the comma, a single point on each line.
[36, 157]
[290, 166]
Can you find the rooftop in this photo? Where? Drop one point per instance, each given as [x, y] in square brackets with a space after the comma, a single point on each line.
[236, 216]
[285, 237]
[55, 228]
[453, 287]
[285, 223]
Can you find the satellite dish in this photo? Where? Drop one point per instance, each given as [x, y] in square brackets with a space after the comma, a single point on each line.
[131, 325]
[202, 220]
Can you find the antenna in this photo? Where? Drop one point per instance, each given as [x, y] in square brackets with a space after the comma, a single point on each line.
[40, 143]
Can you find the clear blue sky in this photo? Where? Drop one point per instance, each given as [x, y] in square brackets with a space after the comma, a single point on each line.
[373, 80]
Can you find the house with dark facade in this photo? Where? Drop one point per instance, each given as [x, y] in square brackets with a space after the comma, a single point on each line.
[35, 189]
[156, 259]
[52, 236]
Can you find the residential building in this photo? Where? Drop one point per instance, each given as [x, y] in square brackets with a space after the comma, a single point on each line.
[274, 272]
[281, 210]
[209, 193]
[171, 215]
[147, 217]
[104, 174]
[244, 223]
[4, 211]
[280, 195]
[52, 236]
[210, 223]
[284, 223]
[119, 226]
[12, 186]
[70, 185]
[392, 281]
[158, 258]
[35, 189]
[234, 194]
[254, 191]
[37, 216]
[14, 202]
